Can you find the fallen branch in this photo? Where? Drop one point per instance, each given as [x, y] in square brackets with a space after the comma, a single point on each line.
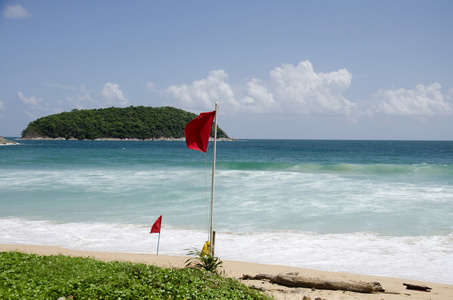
[257, 277]
[292, 280]
[417, 287]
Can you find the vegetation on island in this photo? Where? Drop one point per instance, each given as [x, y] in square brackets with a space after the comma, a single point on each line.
[138, 122]
[30, 276]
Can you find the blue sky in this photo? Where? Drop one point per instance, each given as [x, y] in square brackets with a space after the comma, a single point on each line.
[279, 69]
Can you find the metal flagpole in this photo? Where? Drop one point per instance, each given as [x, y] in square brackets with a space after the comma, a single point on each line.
[211, 232]
[158, 241]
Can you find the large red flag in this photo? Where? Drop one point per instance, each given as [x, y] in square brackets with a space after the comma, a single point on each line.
[198, 130]
[156, 225]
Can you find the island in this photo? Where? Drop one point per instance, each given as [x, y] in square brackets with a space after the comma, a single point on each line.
[114, 123]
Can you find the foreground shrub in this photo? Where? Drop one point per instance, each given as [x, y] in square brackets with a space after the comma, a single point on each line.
[29, 276]
[203, 261]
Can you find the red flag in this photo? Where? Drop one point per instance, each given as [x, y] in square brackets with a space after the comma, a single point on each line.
[156, 225]
[198, 130]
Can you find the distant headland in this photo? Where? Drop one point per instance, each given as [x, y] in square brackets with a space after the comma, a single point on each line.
[138, 123]
[4, 141]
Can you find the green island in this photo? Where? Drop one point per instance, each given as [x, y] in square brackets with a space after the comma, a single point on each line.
[31, 276]
[136, 123]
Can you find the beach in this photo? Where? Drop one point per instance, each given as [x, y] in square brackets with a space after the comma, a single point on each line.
[394, 288]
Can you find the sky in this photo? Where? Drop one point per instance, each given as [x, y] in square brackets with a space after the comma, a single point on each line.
[375, 70]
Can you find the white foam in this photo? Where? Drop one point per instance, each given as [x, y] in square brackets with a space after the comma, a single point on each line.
[428, 258]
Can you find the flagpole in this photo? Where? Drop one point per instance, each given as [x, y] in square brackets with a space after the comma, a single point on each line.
[211, 232]
[158, 241]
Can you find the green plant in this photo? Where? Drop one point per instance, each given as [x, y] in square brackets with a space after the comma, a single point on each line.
[203, 261]
[30, 276]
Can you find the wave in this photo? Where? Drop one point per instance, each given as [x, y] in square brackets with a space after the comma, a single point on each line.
[342, 168]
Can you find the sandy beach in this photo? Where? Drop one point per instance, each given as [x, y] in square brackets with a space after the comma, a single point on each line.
[394, 288]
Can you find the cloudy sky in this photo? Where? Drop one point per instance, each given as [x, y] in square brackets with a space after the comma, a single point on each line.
[279, 69]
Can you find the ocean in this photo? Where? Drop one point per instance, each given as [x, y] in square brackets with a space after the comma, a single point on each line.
[369, 207]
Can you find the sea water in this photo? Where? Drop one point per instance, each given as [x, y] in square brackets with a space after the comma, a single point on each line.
[369, 207]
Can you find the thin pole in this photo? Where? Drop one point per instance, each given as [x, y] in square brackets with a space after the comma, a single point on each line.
[158, 241]
[211, 231]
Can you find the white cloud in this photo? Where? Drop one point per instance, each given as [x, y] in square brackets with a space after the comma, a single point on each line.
[202, 94]
[421, 101]
[114, 95]
[30, 100]
[15, 12]
[259, 99]
[38, 108]
[110, 95]
[299, 89]
[291, 89]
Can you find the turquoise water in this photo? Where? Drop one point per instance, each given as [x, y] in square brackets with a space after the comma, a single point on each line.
[353, 206]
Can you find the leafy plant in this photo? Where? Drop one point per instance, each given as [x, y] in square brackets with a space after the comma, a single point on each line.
[29, 276]
[203, 261]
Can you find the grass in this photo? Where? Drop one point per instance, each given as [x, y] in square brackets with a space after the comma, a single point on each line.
[30, 276]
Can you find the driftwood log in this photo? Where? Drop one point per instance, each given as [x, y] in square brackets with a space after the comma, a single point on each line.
[417, 287]
[293, 280]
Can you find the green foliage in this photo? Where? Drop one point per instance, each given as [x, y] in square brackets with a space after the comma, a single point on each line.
[29, 276]
[121, 123]
[203, 261]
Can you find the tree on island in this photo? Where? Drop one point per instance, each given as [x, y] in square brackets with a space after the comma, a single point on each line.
[138, 122]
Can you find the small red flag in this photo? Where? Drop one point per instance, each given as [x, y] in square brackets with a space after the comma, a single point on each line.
[198, 130]
[156, 226]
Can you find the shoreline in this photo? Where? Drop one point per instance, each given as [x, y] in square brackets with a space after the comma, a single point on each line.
[394, 288]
